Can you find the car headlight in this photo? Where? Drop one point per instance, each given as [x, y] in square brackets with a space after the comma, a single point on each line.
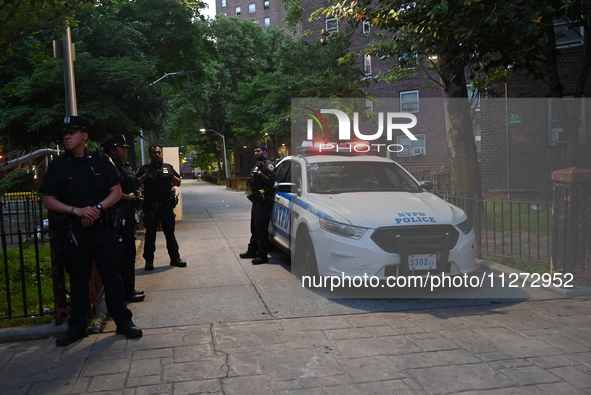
[465, 226]
[353, 232]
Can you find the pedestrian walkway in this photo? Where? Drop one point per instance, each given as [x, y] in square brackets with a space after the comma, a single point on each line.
[224, 326]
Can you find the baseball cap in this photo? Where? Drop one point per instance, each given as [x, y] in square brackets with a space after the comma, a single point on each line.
[74, 122]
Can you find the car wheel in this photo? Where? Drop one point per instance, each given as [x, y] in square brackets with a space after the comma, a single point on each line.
[305, 256]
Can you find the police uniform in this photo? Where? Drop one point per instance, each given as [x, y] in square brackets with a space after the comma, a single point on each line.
[158, 209]
[261, 196]
[81, 182]
[125, 220]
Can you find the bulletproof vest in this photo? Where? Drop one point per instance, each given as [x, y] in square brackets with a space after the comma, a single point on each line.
[158, 183]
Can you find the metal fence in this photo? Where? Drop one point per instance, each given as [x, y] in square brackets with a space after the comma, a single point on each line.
[509, 229]
[519, 230]
[25, 277]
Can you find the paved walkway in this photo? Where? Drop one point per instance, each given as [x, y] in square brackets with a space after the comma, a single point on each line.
[223, 326]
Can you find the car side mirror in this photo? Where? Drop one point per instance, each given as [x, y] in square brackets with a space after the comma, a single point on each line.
[426, 185]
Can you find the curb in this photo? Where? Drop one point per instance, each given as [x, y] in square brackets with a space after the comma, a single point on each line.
[497, 268]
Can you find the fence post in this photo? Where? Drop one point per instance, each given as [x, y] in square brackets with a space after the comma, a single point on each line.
[571, 221]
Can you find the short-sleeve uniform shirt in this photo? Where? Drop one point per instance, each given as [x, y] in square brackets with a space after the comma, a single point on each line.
[80, 182]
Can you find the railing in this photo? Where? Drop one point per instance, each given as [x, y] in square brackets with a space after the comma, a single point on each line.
[32, 278]
[26, 275]
[508, 229]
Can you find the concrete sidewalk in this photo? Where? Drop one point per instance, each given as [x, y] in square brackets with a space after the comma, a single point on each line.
[223, 326]
[540, 347]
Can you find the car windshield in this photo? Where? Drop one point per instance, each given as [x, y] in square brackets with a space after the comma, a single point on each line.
[342, 177]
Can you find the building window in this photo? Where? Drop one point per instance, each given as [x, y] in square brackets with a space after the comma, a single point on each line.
[416, 147]
[473, 97]
[367, 64]
[252, 8]
[238, 10]
[366, 27]
[331, 25]
[568, 36]
[266, 4]
[223, 3]
[556, 133]
[409, 101]
[267, 22]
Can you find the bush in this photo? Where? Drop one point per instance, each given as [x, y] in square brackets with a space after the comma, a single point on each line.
[18, 181]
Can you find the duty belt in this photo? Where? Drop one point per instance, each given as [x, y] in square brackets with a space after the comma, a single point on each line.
[156, 204]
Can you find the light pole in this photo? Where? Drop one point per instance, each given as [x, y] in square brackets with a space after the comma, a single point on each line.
[175, 73]
[158, 80]
[227, 171]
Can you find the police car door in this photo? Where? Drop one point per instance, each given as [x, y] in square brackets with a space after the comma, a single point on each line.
[281, 215]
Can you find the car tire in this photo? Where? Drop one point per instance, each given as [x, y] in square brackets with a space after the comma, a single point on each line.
[305, 255]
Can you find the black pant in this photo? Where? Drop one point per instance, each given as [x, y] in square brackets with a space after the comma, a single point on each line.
[164, 216]
[127, 269]
[104, 246]
[260, 215]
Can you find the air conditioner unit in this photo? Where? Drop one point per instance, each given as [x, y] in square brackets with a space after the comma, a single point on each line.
[557, 136]
[417, 151]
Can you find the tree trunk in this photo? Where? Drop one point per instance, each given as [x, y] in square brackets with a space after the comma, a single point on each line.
[465, 171]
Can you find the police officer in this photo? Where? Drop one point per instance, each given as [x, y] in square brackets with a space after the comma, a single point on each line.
[124, 220]
[159, 180]
[261, 181]
[83, 185]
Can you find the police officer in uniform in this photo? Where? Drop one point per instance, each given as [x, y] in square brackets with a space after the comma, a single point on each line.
[83, 185]
[261, 181]
[159, 180]
[124, 220]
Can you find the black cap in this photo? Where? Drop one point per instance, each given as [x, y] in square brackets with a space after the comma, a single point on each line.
[117, 140]
[74, 122]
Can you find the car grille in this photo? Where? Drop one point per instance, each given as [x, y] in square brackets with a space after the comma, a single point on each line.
[414, 238]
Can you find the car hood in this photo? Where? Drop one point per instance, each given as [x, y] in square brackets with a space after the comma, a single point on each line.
[377, 209]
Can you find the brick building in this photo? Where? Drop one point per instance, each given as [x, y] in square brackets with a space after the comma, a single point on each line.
[519, 155]
[516, 156]
[267, 13]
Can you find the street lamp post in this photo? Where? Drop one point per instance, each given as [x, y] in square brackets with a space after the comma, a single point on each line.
[154, 82]
[227, 171]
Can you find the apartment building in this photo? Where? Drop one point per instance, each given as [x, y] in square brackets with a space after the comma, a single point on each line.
[267, 13]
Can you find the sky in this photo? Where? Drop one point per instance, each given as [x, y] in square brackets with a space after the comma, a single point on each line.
[209, 12]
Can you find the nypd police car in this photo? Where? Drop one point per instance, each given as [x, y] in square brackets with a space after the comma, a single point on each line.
[364, 215]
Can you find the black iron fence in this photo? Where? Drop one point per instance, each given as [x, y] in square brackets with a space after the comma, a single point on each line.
[25, 276]
[520, 230]
[509, 229]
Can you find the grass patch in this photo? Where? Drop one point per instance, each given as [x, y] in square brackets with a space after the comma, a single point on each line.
[24, 271]
[524, 217]
[521, 265]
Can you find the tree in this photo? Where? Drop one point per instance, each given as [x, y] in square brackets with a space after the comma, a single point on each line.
[453, 37]
[300, 69]
[24, 18]
[113, 71]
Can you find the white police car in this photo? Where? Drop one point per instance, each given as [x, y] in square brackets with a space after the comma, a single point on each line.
[365, 215]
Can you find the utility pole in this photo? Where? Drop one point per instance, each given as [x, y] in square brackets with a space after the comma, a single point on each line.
[64, 50]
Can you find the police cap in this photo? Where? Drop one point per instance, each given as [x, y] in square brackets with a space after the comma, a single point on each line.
[74, 122]
[117, 140]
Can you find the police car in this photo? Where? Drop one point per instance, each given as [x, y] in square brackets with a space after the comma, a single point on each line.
[364, 215]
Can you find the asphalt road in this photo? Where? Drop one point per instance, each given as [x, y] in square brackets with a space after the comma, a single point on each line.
[218, 286]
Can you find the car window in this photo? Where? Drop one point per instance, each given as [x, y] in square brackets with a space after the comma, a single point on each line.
[341, 177]
[282, 171]
[296, 174]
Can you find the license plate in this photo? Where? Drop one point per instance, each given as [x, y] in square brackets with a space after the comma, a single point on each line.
[422, 262]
